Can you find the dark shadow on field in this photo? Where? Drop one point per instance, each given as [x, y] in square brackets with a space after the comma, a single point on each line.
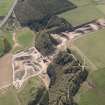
[51, 24]
[31, 12]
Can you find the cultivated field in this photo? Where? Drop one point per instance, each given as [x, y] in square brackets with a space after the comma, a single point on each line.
[5, 6]
[94, 92]
[86, 11]
[101, 8]
[82, 15]
[93, 46]
[1, 47]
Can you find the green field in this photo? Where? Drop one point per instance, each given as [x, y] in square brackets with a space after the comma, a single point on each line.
[27, 93]
[5, 6]
[82, 15]
[86, 11]
[81, 2]
[94, 95]
[25, 39]
[8, 97]
[101, 8]
[93, 46]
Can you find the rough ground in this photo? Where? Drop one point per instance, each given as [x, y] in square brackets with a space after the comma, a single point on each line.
[5, 70]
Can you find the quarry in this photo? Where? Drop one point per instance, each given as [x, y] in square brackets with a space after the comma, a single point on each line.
[52, 52]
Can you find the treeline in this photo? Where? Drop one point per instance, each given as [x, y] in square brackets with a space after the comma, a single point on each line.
[66, 75]
[40, 98]
[5, 46]
[45, 43]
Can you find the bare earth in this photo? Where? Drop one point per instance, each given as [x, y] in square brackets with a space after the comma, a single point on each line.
[5, 70]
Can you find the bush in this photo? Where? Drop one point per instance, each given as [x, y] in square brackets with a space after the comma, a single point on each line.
[66, 75]
[44, 42]
[63, 58]
[5, 46]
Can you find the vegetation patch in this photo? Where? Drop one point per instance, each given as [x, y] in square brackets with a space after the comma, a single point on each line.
[25, 37]
[8, 97]
[95, 95]
[92, 46]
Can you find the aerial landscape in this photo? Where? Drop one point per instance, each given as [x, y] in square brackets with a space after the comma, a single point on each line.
[52, 52]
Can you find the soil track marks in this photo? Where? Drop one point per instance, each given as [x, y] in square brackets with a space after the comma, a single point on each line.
[5, 70]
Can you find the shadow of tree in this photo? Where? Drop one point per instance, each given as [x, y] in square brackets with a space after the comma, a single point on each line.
[37, 13]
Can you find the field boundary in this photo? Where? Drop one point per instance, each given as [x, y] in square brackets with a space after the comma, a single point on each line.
[9, 13]
[5, 86]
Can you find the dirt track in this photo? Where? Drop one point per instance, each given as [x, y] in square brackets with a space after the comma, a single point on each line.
[5, 70]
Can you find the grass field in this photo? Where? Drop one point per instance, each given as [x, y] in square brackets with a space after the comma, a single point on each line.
[5, 6]
[82, 15]
[101, 8]
[8, 97]
[94, 96]
[81, 2]
[93, 46]
[29, 91]
[1, 47]
[25, 39]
